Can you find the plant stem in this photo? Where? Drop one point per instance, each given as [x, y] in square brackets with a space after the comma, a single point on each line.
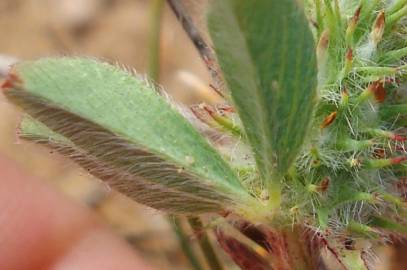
[289, 248]
[274, 192]
[204, 243]
[154, 39]
[299, 258]
[185, 243]
[319, 16]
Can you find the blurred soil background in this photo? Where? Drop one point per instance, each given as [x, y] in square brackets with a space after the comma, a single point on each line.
[116, 31]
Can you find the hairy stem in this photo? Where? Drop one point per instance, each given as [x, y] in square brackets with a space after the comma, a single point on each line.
[296, 250]
[185, 243]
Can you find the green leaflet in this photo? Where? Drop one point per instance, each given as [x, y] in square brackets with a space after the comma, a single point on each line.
[181, 193]
[267, 53]
[119, 128]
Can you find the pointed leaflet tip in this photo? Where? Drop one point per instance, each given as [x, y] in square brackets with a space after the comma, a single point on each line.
[378, 91]
[350, 30]
[11, 81]
[328, 120]
[378, 27]
[375, 89]
[355, 19]
[349, 55]
[324, 185]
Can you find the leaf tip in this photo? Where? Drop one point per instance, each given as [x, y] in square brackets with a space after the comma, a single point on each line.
[11, 81]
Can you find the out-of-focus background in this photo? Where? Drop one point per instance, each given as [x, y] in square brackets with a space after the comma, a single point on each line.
[115, 31]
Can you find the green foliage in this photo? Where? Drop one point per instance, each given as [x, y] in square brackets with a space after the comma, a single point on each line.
[122, 129]
[332, 163]
[267, 55]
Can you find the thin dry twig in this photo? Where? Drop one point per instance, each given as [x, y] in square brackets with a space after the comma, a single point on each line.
[197, 39]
